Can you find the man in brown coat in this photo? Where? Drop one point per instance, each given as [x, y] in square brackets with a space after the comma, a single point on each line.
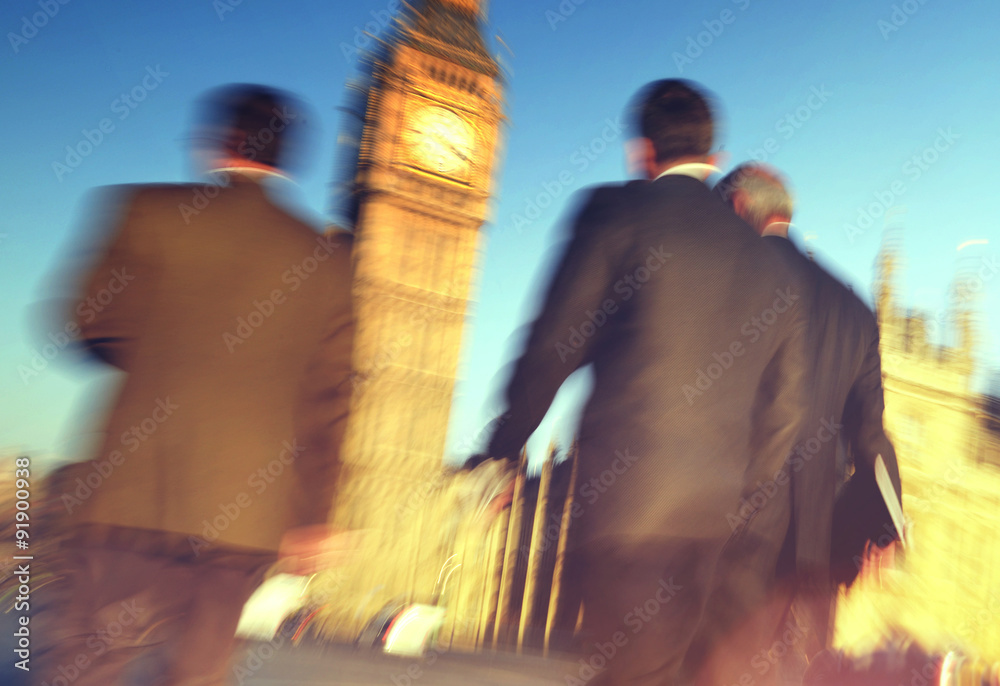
[232, 322]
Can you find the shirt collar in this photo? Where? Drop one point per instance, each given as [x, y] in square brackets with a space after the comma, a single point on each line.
[779, 229]
[250, 173]
[696, 170]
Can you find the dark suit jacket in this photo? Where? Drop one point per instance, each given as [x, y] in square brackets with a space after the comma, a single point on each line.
[696, 330]
[847, 405]
[233, 324]
[847, 393]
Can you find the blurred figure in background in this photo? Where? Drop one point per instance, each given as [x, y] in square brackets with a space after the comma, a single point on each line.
[232, 322]
[847, 399]
[660, 275]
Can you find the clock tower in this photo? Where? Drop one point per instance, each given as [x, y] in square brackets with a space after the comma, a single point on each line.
[419, 194]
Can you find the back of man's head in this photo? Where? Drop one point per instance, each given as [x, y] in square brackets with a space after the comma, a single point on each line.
[758, 195]
[675, 115]
[246, 123]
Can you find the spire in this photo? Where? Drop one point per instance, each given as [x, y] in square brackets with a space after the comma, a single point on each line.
[965, 287]
[884, 296]
[451, 29]
[885, 268]
[470, 6]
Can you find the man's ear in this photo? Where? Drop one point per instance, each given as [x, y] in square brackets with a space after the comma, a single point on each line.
[719, 159]
[738, 199]
[640, 157]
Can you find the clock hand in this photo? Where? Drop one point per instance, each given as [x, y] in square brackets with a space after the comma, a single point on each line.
[450, 145]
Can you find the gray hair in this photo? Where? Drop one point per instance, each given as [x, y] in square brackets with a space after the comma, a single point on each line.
[765, 193]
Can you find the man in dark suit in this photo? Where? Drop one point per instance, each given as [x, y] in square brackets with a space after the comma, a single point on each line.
[847, 409]
[696, 331]
[232, 322]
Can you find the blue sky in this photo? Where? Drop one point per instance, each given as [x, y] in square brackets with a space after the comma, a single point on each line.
[864, 105]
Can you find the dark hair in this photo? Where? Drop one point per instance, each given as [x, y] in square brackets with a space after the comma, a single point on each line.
[676, 115]
[252, 122]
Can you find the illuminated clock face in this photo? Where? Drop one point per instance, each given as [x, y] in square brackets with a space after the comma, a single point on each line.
[439, 140]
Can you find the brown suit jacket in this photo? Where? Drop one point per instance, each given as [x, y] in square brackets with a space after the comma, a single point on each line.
[233, 324]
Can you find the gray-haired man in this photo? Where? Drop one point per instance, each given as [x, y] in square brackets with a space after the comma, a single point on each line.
[847, 406]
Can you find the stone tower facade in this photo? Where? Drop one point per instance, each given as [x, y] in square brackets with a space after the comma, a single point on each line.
[947, 591]
[419, 194]
[422, 186]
